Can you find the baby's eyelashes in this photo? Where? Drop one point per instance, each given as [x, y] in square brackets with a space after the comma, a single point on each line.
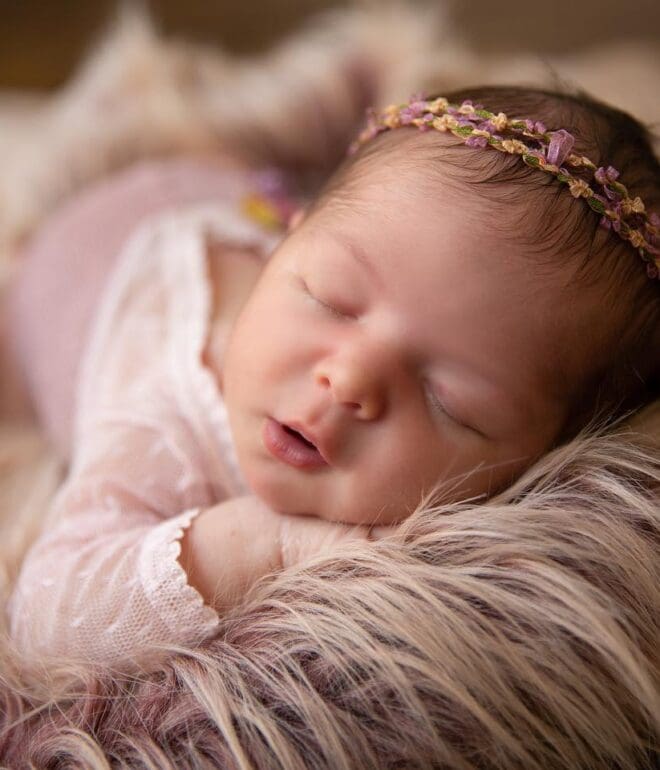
[438, 408]
[331, 308]
[436, 404]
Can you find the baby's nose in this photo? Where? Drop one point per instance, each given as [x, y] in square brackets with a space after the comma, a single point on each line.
[356, 386]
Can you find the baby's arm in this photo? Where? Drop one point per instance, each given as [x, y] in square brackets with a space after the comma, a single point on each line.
[102, 582]
[228, 547]
[106, 580]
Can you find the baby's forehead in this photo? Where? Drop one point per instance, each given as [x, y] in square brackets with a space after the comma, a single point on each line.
[427, 155]
[407, 175]
[529, 288]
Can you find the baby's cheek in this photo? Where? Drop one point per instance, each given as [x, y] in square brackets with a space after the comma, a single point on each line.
[241, 354]
[369, 497]
[266, 348]
[393, 481]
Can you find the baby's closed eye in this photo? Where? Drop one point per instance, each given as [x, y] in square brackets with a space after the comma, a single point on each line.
[439, 409]
[338, 309]
[334, 307]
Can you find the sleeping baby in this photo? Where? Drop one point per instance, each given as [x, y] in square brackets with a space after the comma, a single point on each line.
[232, 400]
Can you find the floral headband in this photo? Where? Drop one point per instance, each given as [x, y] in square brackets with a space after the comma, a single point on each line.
[546, 150]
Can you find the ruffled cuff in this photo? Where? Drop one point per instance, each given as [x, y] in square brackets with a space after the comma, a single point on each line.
[181, 607]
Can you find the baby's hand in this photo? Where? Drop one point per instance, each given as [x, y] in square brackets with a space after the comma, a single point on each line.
[302, 537]
[297, 537]
[231, 545]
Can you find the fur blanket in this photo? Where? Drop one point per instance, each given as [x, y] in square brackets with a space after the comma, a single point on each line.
[522, 633]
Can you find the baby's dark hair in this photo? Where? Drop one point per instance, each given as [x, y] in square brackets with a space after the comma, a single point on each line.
[622, 373]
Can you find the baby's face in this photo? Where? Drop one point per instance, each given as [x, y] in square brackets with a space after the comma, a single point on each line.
[404, 340]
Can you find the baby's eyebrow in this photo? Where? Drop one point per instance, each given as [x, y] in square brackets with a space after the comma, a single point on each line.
[359, 255]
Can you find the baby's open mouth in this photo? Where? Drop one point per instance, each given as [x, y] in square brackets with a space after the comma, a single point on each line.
[289, 445]
[297, 435]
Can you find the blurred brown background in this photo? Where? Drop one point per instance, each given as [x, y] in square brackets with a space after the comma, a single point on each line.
[42, 40]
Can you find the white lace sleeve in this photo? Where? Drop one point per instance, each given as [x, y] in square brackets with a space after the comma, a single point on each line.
[103, 582]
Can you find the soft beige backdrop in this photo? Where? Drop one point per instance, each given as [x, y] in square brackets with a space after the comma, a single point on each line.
[41, 40]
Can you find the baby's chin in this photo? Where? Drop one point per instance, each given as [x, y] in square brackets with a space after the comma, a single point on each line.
[338, 513]
[281, 496]
[362, 516]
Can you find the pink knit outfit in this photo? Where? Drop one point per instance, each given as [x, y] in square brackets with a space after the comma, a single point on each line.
[152, 448]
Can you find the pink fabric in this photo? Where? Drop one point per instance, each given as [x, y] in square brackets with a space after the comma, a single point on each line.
[80, 244]
[151, 449]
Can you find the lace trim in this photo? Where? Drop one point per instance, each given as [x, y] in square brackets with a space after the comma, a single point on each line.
[179, 605]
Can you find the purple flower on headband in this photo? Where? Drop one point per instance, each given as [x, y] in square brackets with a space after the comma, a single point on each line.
[476, 141]
[606, 175]
[561, 143]
[407, 116]
[611, 194]
[413, 110]
[419, 105]
[486, 125]
[535, 127]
